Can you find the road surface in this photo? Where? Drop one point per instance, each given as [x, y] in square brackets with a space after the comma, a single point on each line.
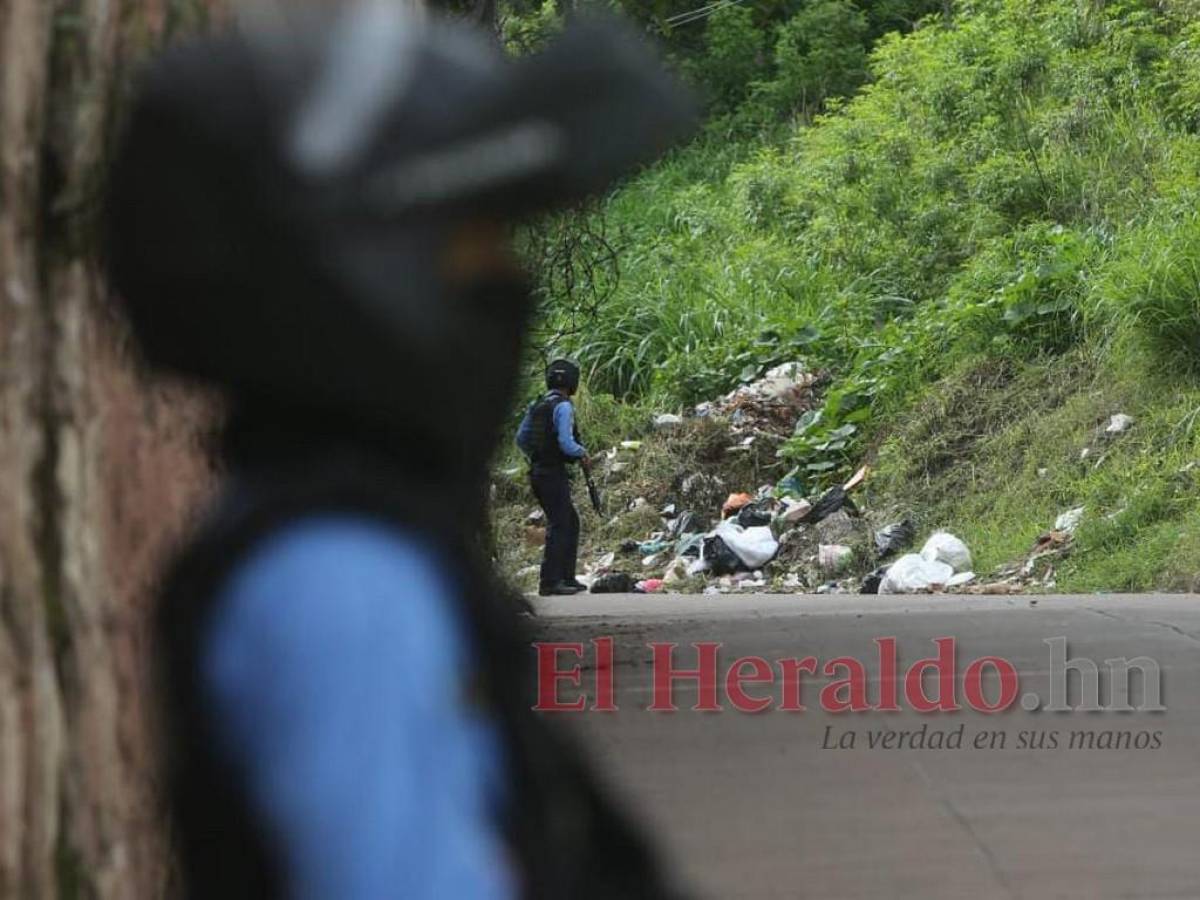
[775, 805]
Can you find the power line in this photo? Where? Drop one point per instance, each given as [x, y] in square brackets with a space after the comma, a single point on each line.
[702, 12]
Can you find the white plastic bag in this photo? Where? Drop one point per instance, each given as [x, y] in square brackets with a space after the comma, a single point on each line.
[913, 573]
[1069, 521]
[946, 548]
[755, 547]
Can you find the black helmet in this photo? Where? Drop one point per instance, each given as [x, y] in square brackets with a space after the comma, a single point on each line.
[562, 373]
[284, 201]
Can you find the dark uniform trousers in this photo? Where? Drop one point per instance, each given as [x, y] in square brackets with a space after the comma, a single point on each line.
[552, 488]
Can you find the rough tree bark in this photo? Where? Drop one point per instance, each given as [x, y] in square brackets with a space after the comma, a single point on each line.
[96, 471]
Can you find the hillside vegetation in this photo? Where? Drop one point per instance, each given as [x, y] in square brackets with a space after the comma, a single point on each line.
[984, 227]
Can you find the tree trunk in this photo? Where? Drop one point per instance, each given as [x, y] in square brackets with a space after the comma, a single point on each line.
[96, 471]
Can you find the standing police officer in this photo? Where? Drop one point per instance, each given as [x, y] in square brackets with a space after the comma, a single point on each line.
[549, 437]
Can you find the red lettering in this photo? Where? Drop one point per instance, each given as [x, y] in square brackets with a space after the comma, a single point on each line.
[943, 664]
[705, 676]
[973, 684]
[791, 669]
[854, 685]
[735, 677]
[887, 675]
[549, 675]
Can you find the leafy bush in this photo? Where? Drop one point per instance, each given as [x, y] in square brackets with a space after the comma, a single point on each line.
[819, 53]
[732, 58]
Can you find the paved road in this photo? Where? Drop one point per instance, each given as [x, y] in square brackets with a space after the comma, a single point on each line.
[753, 806]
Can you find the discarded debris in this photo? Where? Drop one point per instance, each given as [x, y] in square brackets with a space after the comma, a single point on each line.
[794, 511]
[734, 503]
[682, 524]
[755, 547]
[667, 420]
[995, 587]
[604, 563]
[649, 586]
[831, 501]
[721, 560]
[537, 517]
[1069, 521]
[1119, 424]
[894, 538]
[870, 584]
[748, 580]
[613, 583]
[754, 515]
[833, 558]
[856, 479]
[652, 546]
[913, 573]
[676, 571]
[946, 548]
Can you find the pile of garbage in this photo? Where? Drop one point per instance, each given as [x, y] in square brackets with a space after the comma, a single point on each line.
[762, 541]
[767, 408]
[733, 554]
[711, 539]
[742, 542]
[943, 564]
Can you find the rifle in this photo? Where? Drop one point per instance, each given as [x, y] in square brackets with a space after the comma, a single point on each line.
[593, 491]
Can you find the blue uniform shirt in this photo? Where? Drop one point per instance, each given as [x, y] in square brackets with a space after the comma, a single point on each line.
[336, 667]
[564, 428]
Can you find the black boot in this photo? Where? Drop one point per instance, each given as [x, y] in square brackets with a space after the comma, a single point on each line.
[562, 589]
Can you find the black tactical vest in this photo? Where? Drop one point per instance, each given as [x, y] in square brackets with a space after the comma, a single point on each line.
[546, 451]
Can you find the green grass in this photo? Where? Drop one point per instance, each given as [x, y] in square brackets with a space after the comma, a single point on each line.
[993, 454]
[991, 247]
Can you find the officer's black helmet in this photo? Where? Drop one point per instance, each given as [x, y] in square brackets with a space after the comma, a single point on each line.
[562, 374]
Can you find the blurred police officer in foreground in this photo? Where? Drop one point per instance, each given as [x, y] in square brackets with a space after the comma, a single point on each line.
[312, 216]
[549, 438]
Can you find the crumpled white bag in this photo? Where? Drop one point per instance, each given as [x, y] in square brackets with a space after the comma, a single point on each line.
[913, 573]
[755, 547]
[946, 548]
